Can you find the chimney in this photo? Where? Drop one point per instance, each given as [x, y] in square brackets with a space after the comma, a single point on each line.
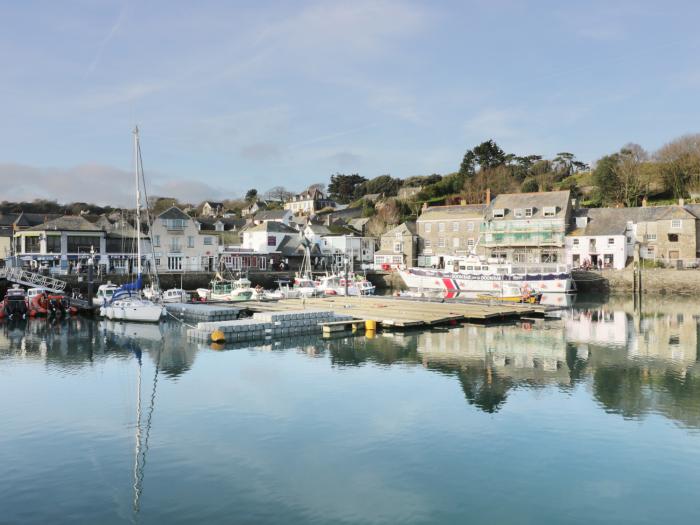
[644, 202]
[488, 196]
[681, 202]
[463, 202]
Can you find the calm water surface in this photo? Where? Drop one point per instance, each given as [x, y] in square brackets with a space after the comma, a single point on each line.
[593, 418]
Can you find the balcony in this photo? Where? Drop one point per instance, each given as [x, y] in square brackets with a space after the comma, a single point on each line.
[523, 239]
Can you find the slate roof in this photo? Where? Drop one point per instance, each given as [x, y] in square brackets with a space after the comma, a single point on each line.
[272, 227]
[174, 213]
[456, 212]
[318, 229]
[604, 221]
[67, 223]
[536, 200]
[271, 215]
[409, 226]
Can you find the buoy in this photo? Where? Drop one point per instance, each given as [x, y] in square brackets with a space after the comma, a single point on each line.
[217, 336]
[369, 334]
[370, 324]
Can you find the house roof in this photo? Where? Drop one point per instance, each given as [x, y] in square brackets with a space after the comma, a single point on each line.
[272, 227]
[8, 219]
[174, 213]
[604, 221]
[455, 212]
[271, 215]
[67, 223]
[408, 226]
[359, 222]
[318, 229]
[215, 204]
[539, 200]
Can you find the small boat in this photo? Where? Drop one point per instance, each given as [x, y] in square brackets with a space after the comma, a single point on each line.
[335, 284]
[104, 294]
[175, 295]
[231, 290]
[531, 298]
[14, 306]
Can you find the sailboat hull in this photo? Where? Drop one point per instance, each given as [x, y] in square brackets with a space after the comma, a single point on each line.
[128, 310]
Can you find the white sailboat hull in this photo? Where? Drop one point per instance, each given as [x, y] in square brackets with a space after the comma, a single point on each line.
[133, 310]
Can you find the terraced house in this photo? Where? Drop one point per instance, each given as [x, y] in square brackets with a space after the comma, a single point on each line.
[179, 245]
[445, 231]
[527, 228]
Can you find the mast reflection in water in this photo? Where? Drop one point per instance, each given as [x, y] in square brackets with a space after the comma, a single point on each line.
[393, 428]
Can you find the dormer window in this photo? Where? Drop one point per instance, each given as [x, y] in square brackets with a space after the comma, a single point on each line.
[549, 211]
[499, 213]
[528, 212]
[519, 213]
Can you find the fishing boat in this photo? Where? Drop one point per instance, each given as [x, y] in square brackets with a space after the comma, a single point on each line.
[104, 294]
[127, 302]
[230, 290]
[335, 284]
[472, 274]
[175, 295]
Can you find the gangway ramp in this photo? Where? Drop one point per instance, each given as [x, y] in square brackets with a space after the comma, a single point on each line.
[33, 280]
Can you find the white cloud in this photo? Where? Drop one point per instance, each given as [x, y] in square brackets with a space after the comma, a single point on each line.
[92, 183]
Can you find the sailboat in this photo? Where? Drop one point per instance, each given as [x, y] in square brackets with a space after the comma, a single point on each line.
[127, 303]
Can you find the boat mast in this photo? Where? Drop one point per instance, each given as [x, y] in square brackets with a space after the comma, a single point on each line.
[138, 202]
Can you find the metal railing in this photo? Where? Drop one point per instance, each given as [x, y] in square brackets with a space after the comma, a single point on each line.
[19, 276]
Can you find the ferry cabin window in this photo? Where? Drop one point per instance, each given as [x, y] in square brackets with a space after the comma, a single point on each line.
[485, 268]
[470, 268]
[462, 267]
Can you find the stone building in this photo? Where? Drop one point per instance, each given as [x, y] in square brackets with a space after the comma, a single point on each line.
[448, 231]
[398, 247]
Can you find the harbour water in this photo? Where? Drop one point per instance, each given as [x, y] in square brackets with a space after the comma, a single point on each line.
[592, 418]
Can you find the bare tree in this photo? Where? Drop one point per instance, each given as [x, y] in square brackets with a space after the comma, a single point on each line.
[320, 186]
[278, 193]
[680, 164]
[633, 183]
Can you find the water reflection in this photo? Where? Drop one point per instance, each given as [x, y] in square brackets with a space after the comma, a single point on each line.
[634, 363]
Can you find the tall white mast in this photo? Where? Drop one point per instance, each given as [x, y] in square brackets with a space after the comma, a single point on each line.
[138, 201]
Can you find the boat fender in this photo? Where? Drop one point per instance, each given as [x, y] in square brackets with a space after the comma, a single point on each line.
[217, 336]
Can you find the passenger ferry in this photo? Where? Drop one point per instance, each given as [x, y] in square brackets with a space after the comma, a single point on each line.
[471, 274]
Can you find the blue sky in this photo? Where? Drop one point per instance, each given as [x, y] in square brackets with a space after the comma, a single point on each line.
[232, 95]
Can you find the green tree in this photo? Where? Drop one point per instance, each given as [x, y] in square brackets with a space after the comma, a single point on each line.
[251, 195]
[529, 185]
[342, 187]
[606, 180]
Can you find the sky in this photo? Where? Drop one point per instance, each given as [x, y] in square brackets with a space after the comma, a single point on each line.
[232, 95]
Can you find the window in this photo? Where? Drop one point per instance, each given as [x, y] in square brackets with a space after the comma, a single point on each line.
[441, 227]
[428, 227]
[650, 251]
[528, 212]
[470, 243]
[398, 247]
[672, 237]
[575, 242]
[441, 242]
[427, 244]
[519, 213]
[53, 244]
[82, 244]
[548, 257]
[549, 211]
[455, 242]
[470, 227]
[31, 244]
[175, 245]
[156, 241]
[157, 260]
[398, 235]
[271, 240]
[174, 224]
[499, 213]
[519, 257]
[207, 241]
[190, 241]
[175, 263]
[611, 241]
[676, 223]
[455, 226]
[650, 236]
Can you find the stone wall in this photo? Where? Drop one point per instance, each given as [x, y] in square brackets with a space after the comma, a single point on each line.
[654, 280]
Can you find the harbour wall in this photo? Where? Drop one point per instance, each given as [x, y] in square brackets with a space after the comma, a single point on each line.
[654, 281]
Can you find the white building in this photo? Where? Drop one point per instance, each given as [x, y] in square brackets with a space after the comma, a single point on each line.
[267, 237]
[179, 245]
[358, 249]
[602, 238]
[308, 202]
